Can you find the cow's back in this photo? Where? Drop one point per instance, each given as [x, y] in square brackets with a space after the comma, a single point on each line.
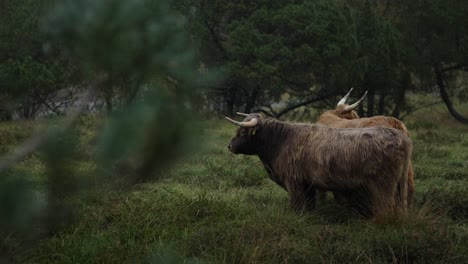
[351, 156]
[384, 121]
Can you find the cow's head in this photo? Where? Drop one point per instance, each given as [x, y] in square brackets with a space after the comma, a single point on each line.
[347, 111]
[246, 139]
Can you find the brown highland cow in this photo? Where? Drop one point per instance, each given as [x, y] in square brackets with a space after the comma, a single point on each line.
[344, 116]
[303, 158]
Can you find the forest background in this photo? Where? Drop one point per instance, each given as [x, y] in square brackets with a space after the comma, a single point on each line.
[109, 94]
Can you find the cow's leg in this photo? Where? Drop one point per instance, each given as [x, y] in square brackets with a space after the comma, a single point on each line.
[341, 197]
[383, 197]
[311, 195]
[359, 199]
[320, 195]
[301, 197]
[297, 201]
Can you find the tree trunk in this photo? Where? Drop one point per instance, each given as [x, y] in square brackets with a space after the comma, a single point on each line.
[133, 93]
[34, 109]
[109, 101]
[444, 95]
[382, 103]
[5, 115]
[370, 102]
[27, 109]
[252, 98]
[108, 95]
[230, 99]
[361, 110]
[400, 97]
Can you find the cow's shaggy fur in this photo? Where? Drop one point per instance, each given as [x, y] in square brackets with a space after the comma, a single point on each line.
[339, 118]
[303, 158]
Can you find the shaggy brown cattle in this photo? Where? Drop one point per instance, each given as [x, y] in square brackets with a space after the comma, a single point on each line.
[303, 158]
[344, 116]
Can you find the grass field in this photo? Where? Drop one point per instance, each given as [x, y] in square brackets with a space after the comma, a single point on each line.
[216, 207]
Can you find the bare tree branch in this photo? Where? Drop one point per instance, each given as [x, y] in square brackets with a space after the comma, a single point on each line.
[443, 93]
[216, 39]
[269, 112]
[44, 102]
[454, 67]
[309, 101]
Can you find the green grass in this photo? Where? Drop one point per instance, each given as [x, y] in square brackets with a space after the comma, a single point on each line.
[216, 207]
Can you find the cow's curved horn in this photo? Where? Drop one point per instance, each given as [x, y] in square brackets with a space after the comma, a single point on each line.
[343, 100]
[242, 114]
[250, 123]
[351, 107]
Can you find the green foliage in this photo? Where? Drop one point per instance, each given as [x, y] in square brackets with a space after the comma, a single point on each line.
[19, 28]
[24, 80]
[381, 51]
[310, 48]
[20, 203]
[19, 75]
[123, 37]
[435, 32]
[11, 134]
[112, 40]
[27, 77]
[151, 134]
[212, 206]
[267, 48]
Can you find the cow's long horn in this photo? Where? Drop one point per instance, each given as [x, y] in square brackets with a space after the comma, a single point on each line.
[250, 123]
[343, 100]
[242, 114]
[351, 107]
